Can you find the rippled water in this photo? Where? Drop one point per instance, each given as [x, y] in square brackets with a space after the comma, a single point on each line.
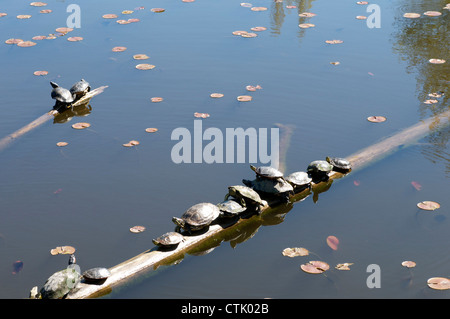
[90, 192]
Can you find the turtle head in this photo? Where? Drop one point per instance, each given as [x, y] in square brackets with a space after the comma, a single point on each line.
[178, 221]
[53, 84]
[253, 168]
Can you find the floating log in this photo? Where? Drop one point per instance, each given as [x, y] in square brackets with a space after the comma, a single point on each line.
[7, 140]
[243, 228]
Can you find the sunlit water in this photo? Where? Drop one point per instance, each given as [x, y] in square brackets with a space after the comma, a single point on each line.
[89, 193]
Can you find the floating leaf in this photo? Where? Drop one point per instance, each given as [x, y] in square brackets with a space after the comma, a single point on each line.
[39, 37]
[307, 14]
[63, 250]
[127, 11]
[428, 205]
[123, 21]
[26, 44]
[45, 11]
[80, 125]
[362, 2]
[334, 41]
[435, 95]
[291, 7]
[432, 13]
[361, 17]
[61, 144]
[187, 0]
[253, 88]
[140, 56]
[131, 143]
[156, 99]
[411, 15]
[295, 251]
[64, 29]
[315, 267]
[23, 16]
[439, 283]
[344, 266]
[145, 66]
[239, 32]
[246, 4]
[74, 39]
[249, 35]
[118, 49]
[133, 20]
[306, 25]
[356, 183]
[258, 29]
[13, 41]
[137, 229]
[258, 9]
[201, 115]
[416, 185]
[244, 98]
[333, 242]
[3, 14]
[408, 264]
[109, 16]
[38, 4]
[216, 95]
[431, 101]
[40, 73]
[335, 63]
[151, 130]
[17, 267]
[437, 61]
[157, 10]
[376, 119]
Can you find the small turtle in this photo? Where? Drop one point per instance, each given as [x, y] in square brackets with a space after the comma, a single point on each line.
[272, 187]
[339, 164]
[62, 96]
[62, 282]
[197, 217]
[96, 275]
[267, 172]
[245, 196]
[299, 180]
[79, 89]
[230, 208]
[319, 168]
[169, 240]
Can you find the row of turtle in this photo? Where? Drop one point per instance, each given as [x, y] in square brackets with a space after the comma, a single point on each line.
[66, 97]
[269, 182]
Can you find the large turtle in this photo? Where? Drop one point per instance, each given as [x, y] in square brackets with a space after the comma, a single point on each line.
[271, 187]
[319, 170]
[197, 217]
[299, 180]
[79, 89]
[339, 164]
[62, 282]
[246, 196]
[267, 172]
[96, 275]
[169, 240]
[230, 208]
[62, 96]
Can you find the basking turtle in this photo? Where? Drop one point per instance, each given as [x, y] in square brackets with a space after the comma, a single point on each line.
[230, 208]
[267, 172]
[169, 240]
[79, 89]
[246, 196]
[96, 275]
[319, 169]
[299, 180]
[62, 96]
[197, 217]
[339, 164]
[271, 187]
[62, 282]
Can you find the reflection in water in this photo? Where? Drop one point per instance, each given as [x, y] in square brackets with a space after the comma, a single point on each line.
[278, 13]
[67, 115]
[417, 41]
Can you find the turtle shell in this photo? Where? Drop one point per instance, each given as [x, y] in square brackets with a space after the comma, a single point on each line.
[230, 208]
[298, 179]
[197, 216]
[169, 239]
[267, 172]
[339, 163]
[61, 94]
[244, 194]
[319, 167]
[271, 186]
[96, 274]
[60, 283]
[80, 87]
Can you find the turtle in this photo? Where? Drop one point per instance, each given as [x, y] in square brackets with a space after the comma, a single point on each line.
[62, 96]
[267, 172]
[61, 282]
[96, 275]
[169, 240]
[339, 164]
[197, 217]
[79, 89]
[319, 167]
[299, 180]
[272, 187]
[246, 196]
[230, 208]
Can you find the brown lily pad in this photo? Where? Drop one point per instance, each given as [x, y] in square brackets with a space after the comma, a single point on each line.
[408, 264]
[140, 57]
[40, 73]
[61, 144]
[216, 95]
[315, 267]
[151, 130]
[244, 98]
[137, 229]
[118, 49]
[295, 251]
[201, 115]
[145, 66]
[376, 119]
[428, 205]
[62, 250]
[80, 125]
[439, 283]
[26, 44]
[109, 16]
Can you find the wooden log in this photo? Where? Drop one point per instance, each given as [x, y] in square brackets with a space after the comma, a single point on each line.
[150, 260]
[7, 140]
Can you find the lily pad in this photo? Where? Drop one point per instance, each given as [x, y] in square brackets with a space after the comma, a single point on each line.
[80, 125]
[74, 39]
[61, 144]
[40, 73]
[376, 119]
[118, 49]
[62, 250]
[315, 267]
[201, 115]
[295, 251]
[344, 266]
[428, 205]
[151, 130]
[157, 99]
[140, 57]
[131, 143]
[439, 283]
[411, 15]
[244, 98]
[408, 264]
[437, 61]
[333, 242]
[432, 13]
[216, 95]
[145, 66]
[109, 16]
[137, 229]
[26, 44]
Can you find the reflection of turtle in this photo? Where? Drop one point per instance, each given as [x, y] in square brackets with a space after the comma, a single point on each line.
[79, 89]
[271, 187]
[267, 172]
[62, 282]
[197, 217]
[339, 164]
[230, 208]
[246, 196]
[299, 180]
[96, 275]
[62, 96]
[169, 240]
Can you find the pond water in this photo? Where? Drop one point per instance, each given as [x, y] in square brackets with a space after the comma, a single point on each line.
[90, 192]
